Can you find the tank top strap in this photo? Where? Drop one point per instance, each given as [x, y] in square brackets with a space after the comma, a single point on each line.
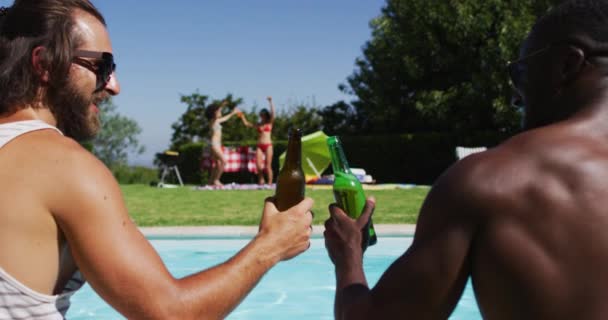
[12, 130]
[20, 302]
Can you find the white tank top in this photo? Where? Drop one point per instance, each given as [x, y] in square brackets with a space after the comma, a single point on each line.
[17, 301]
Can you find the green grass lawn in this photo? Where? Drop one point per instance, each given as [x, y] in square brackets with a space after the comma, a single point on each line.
[150, 206]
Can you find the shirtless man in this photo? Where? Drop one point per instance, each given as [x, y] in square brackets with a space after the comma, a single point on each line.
[61, 209]
[527, 220]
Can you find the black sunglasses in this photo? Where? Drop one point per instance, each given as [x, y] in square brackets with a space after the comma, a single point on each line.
[518, 68]
[102, 66]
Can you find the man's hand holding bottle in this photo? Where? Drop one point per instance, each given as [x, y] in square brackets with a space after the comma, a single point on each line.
[287, 233]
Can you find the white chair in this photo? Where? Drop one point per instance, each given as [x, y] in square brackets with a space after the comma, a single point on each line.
[462, 152]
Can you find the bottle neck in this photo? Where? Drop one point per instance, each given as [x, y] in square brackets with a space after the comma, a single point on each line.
[338, 158]
[294, 151]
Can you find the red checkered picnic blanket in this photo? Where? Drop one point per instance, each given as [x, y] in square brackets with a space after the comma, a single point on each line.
[238, 159]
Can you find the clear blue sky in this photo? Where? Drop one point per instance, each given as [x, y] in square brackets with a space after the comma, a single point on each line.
[296, 51]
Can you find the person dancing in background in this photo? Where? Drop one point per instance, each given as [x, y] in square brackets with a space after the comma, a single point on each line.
[264, 145]
[214, 115]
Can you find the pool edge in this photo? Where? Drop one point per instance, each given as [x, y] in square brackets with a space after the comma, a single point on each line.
[382, 230]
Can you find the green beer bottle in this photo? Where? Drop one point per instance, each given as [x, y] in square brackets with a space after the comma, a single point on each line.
[348, 191]
[291, 181]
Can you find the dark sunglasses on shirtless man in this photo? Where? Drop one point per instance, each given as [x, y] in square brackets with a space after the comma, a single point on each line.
[102, 65]
[518, 68]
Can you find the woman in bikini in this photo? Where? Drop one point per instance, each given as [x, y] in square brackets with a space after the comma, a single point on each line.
[264, 146]
[214, 115]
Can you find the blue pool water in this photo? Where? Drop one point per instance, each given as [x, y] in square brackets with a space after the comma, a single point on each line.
[302, 288]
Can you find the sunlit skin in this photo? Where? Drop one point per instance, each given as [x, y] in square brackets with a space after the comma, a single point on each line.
[65, 209]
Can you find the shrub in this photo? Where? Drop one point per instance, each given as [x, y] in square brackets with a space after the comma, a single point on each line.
[407, 158]
[134, 174]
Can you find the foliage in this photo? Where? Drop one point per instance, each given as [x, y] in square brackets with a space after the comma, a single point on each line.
[413, 158]
[135, 174]
[439, 65]
[340, 118]
[117, 137]
[189, 164]
[192, 126]
[301, 116]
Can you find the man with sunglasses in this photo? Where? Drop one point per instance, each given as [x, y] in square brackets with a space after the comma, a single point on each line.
[62, 216]
[527, 220]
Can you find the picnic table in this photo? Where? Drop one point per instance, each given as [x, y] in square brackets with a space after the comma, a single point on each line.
[241, 158]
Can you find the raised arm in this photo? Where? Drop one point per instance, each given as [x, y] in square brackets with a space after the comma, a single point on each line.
[269, 98]
[426, 281]
[127, 272]
[229, 115]
[244, 120]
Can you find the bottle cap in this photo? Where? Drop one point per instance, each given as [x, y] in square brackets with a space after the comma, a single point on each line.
[295, 132]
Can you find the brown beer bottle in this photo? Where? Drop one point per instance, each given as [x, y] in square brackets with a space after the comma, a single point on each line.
[291, 181]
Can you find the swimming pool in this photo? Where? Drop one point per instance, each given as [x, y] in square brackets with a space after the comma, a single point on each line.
[302, 288]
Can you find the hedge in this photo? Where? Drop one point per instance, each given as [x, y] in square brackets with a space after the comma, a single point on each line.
[407, 158]
[134, 174]
[410, 158]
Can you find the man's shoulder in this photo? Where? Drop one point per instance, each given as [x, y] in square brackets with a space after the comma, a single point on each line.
[52, 144]
[56, 154]
[523, 162]
[488, 176]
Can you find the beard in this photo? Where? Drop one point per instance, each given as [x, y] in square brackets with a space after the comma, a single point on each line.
[72, 110]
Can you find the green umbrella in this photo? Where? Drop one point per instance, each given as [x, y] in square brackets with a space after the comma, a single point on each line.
[315, 155]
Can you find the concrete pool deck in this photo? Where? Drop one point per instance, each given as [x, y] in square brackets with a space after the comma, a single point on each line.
[383, 230]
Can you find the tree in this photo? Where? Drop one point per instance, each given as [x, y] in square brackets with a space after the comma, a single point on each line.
[193, 126]
[117, 137]
[305, 118]
[340, 118]
[439, 65]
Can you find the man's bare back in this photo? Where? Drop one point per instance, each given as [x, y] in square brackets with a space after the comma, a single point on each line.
[540, 247]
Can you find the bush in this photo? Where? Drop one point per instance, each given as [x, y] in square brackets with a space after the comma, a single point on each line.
[407, 158]
[190, 163]
[134, 174]
[413, 158]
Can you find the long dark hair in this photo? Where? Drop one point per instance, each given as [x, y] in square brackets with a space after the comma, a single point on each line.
[264, 116]
[211, 110]
[29, 24]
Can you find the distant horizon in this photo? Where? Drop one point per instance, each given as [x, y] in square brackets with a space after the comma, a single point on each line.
[296, 52]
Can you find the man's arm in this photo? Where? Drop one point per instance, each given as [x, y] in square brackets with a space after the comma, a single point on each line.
[428, 279]
[126, 271]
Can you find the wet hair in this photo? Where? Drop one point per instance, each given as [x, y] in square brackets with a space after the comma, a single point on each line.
[29, 24]
[211, 110]
[265, 114]
[572, 19]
